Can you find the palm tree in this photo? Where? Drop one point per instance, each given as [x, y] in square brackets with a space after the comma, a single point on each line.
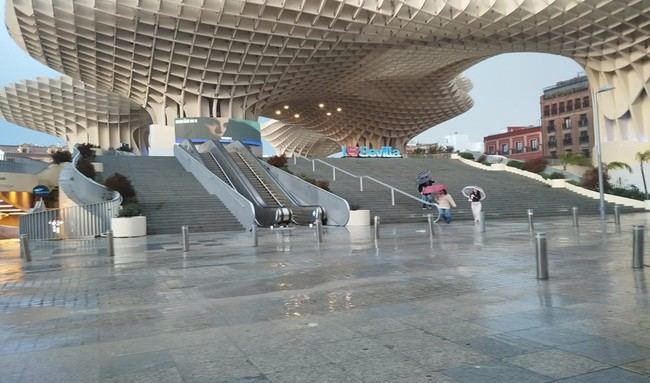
[643, 157]
[617, 165]
[573, 159]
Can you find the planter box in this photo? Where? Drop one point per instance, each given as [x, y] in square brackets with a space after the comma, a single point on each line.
[359, 218]
[558, 183]
[647, 204]
[124, 227]
[498, 166]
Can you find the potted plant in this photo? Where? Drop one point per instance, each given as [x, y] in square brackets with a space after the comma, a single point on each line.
[129, 222]
[557, 180]
[358, 217]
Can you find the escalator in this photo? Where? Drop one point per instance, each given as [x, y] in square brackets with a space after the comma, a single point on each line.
[237, 166]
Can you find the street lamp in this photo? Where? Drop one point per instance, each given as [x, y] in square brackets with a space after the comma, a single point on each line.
[599, 154]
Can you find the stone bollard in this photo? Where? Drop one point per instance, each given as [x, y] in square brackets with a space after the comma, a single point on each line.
[637, 246]
[110, 242]
[186, 238]
[541, 256]
[25, 252]
[319, 230]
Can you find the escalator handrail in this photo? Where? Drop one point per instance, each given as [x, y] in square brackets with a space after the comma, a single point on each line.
[221, 168]
[260, 179]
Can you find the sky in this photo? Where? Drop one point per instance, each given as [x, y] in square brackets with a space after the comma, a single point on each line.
[506, 92]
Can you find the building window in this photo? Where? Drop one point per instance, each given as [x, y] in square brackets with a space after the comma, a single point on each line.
[491, 149]
[583, 121]
[547, 110]
[551, 126]
[504, 149]
[552, 142]
[569, 105]
[577, 103]
[584, 137]
[586, 153]
[519, 147]
[534, 145]
[585, 102]
[562, 107]
[554, 109]
[567, 123]
[567, 139]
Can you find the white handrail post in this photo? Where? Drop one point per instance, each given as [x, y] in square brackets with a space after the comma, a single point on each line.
[360, 183]
[392, 196]
[313, 166]
[333, 173]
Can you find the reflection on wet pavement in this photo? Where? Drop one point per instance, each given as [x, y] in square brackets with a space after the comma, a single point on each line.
[463, 308]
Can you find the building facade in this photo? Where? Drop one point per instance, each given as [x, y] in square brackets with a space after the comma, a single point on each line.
[518, 143]
[567, 118]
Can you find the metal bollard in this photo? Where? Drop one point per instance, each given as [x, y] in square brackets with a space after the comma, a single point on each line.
[617, 215]
[186, 238]
[313, 166]
[482, 222]
[575, 216]
[254, 232]
[25, 253]
[376, 227]
[637, 246]
[319, 230]
[531, 225]
[360, 183]
[111, 245]
[430, 223]
[541, 256]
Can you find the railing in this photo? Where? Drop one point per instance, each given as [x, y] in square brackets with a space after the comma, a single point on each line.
[96, 206]
[70, 222]
[81, 189]
[584, 139]
[567, 142]
[241, 208]
[552, 144]
[391, 188]
[336, 208]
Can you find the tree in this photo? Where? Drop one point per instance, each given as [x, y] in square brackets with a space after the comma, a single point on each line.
[643, 157]
[617, 165]
[573, 159]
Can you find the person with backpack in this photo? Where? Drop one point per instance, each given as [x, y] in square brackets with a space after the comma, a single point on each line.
[426, 190]
[445, 203]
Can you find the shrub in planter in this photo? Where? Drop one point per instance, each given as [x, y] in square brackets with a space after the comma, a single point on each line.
[467, 155]
[86, 168]
[632, 192]
[121, 184]
[515, 164]
[86, 150]
[130, 209]
[536, 165]
[556, 176]
[61, 156]
[277, 161]
[125, 148]
[354, 206]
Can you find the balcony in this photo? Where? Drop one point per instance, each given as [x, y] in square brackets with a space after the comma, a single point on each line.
[552, 144]
[550, 129]
[567, 142]
[583, 123]
[566, 126]
[584, 139]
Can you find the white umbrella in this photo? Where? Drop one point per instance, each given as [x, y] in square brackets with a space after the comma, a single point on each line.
[467, 190]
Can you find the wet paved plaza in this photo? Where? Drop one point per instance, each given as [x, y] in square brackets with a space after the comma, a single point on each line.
[464, 308]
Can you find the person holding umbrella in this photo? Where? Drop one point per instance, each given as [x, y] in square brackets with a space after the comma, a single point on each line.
[475, 196]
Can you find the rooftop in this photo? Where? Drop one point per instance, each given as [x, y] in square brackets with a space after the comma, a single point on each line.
[561, 88]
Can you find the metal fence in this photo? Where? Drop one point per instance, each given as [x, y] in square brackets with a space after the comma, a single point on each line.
[71, 222]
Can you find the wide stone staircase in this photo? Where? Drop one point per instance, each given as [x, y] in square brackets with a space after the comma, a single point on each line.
[169, 196]
[508, 195]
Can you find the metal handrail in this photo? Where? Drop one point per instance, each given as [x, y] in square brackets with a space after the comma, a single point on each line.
[83, 190]
[388, 186]
[260, 179]
[83, 221]
[221, 168]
